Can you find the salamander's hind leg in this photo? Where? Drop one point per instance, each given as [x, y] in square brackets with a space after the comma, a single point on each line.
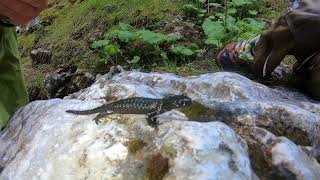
[99, 116]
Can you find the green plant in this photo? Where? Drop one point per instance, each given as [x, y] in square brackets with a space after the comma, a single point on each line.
[232, 22]
[135, 60]
[250, 27]
[156, 167]
[136, 145]
[112, 49]
[182, 51]
[99, 44]
[143, 45]
[192, 11]
[151, 37]
[214, 31]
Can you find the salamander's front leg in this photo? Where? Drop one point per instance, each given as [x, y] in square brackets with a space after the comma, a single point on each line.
[99, 116]
[152, 119]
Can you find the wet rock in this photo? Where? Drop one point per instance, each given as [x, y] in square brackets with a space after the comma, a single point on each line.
[233, 99]
[284, 157]
[44, 142]
[65, 80]
[31, 26]
[35, 25]
[274, 122]
[40, 56]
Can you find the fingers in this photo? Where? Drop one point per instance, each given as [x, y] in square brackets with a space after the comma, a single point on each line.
[274, 44]
[272, 61]
[262, 51]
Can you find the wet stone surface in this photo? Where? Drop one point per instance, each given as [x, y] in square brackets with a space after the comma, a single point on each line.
[253, 131]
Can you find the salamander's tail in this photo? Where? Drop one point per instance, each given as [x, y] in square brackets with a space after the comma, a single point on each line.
[90, 111]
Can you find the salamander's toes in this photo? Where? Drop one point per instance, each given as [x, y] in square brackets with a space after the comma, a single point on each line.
[155, 123]
[97, 121]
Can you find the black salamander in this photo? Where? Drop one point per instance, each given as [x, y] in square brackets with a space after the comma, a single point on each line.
[139, 105]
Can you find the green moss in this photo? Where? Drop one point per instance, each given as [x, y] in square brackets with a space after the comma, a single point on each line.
[296, 135]
[75, 26]
[168, 150]
[155, 167]
[194, 68]
[198, 112]
[273, 9]
[135, 145]
[26, 44]
[258, 159]
[36, 88]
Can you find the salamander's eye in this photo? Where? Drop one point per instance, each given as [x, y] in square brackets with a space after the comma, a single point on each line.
[182, 102]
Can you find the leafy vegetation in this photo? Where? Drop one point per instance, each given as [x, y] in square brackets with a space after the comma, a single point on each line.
[214, 31]
[230, 20]
[168, 35]
[140, 46]
[182, 51]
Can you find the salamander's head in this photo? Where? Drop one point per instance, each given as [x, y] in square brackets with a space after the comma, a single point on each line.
[177, 101]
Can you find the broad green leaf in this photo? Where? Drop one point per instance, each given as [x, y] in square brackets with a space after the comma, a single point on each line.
[231, 24]
[202, 11]
[220, 15]
[164, 55]
[173, 38]
[212, 17]
[215, 5]
[232, 11]
[180, 50]
[250, 27]
[253, 12]
[191, 10]
[200, 52]
[111, 49]
[238, 3]
[125, 27]
[99, 44]
[151, 37]
[135, 60]
[214, 30]
[125, 36]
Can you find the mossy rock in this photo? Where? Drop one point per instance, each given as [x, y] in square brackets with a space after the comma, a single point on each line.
[156, 166]
[135, 145]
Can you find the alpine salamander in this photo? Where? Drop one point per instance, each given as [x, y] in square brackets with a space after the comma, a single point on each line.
[139, 105]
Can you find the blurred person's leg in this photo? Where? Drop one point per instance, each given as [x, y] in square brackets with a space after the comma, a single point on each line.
[12, 85]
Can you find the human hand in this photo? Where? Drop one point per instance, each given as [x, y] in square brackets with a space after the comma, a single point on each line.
[19, 12]
[274, 44]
